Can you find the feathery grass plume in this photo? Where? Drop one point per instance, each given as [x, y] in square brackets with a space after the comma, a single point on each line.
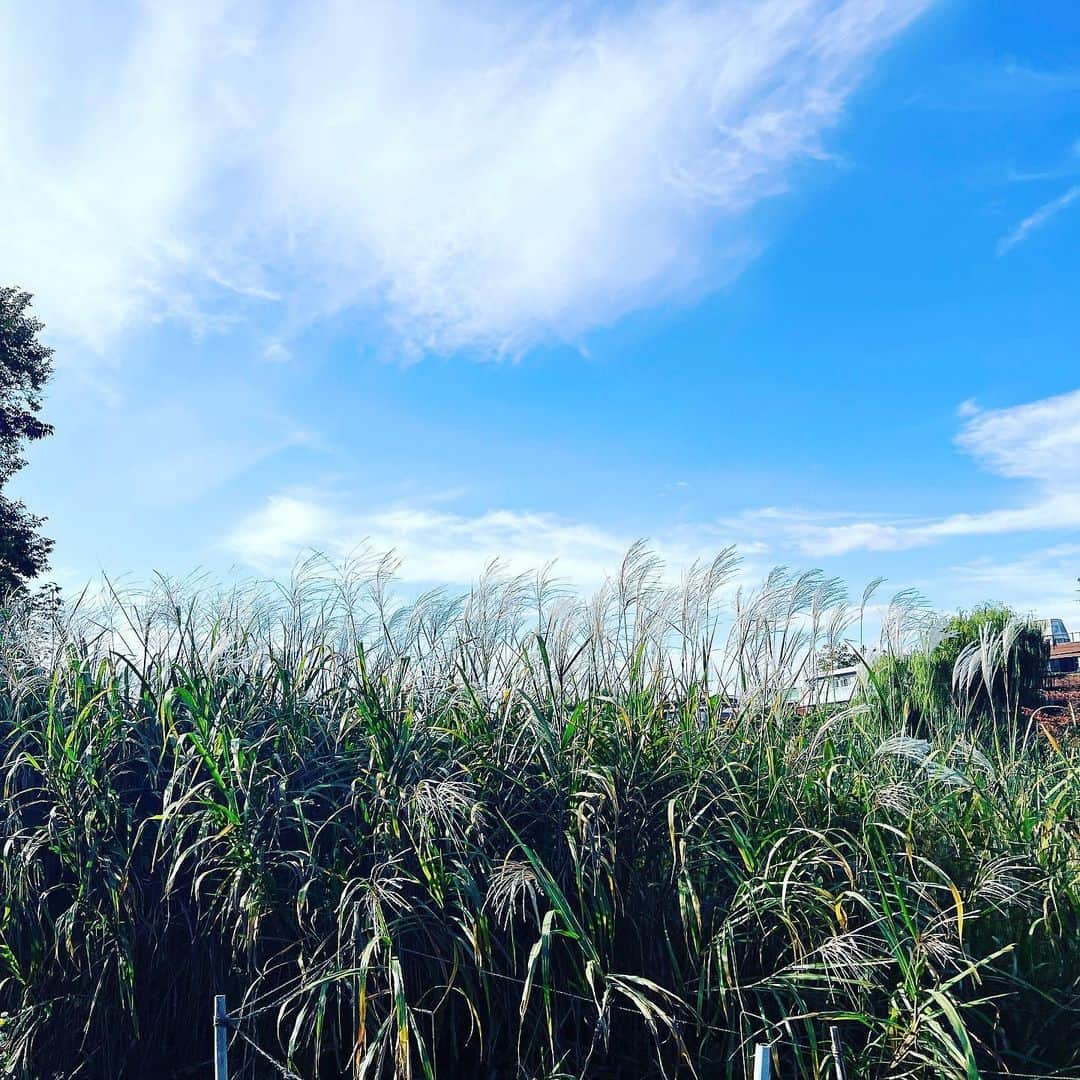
[518, 833]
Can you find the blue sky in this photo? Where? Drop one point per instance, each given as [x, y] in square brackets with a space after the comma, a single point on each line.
[477, 279]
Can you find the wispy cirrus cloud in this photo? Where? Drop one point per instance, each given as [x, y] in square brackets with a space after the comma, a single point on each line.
[981, 88]
[1037, 220]
[1043, 581]
[1060, 510]
[1038, 442]
[1030, 79]
[476, 175]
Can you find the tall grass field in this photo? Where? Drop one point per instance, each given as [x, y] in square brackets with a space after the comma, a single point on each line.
[520, 834]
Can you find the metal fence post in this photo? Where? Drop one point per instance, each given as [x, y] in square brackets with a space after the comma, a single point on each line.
[762, 1062]
[221, 1039]
[837, 1053]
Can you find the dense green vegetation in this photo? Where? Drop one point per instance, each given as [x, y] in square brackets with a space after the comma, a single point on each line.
[25, 367]
[986, 664]
[517, 835]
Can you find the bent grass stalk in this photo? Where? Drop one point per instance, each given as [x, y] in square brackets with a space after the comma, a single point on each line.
[516, 833]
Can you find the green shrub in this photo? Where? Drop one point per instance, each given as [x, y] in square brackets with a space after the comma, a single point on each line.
[995, 661]
[985, 664]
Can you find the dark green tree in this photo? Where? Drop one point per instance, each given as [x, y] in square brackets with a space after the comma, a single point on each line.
[840, 655]
[919, 687]
[25, 366]
[1017, 673]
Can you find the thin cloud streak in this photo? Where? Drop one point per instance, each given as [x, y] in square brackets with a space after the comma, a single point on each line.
[1038, 442]
[1042, 582]
[1056, 512]
[1037, 220]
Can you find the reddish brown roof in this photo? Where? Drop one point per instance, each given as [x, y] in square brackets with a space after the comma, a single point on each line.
[1071, 648]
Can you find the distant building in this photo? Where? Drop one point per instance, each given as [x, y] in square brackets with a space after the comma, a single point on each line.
[1064, 647]
[1054, 632]
[835, 687]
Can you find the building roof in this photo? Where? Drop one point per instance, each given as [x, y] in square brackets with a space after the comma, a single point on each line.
[836, 673]
[1068, 648]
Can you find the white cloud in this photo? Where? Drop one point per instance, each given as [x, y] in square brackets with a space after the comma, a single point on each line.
[824, 540]
[439, 546]
[104, 162]
[276, 352]
[1057, 511]
[1038, 442]
[1037, 220]
[1042, 582]
[479, 175]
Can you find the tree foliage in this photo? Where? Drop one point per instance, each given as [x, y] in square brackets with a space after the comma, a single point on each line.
[837, 656]
[987, 662]
[25, 366]
[1006, 653]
